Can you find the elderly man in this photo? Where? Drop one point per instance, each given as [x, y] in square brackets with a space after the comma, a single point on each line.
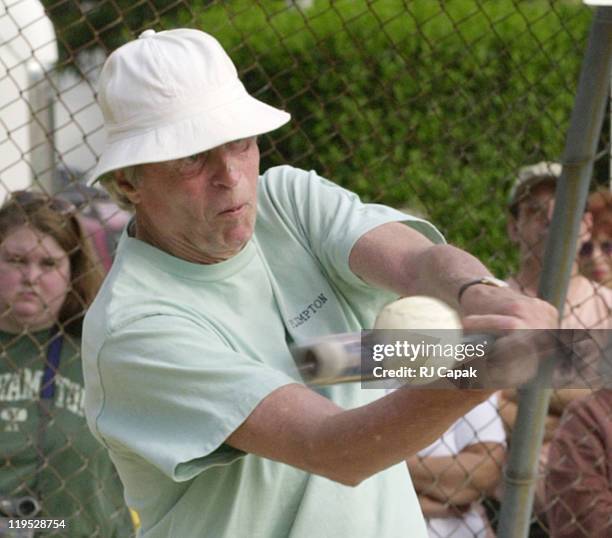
[190, 384]
[587, 306]
[531, 204]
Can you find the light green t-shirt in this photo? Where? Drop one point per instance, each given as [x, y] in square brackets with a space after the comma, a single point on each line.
[177, 355]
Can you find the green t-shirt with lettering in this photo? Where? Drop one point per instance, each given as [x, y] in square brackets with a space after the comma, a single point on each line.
[177, 355]
[77, 485]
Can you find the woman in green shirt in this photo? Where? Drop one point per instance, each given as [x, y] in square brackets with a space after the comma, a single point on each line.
[53, 474]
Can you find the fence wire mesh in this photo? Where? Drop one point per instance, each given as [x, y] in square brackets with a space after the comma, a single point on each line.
[428, 106]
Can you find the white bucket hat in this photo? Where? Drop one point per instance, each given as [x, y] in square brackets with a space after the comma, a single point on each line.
[172, 94]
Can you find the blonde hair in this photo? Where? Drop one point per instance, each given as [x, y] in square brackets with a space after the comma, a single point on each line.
[57, 218]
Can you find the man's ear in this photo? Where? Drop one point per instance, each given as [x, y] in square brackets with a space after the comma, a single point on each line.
[130, 191]
[512, 229]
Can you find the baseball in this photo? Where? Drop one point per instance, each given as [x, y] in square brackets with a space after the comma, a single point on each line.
[433, 322]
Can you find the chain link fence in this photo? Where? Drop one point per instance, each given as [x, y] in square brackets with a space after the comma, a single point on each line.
[428, 106]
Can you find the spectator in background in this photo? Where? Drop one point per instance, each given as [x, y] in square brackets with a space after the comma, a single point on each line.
[579, 474]
[531, 207]
[50, 465]
[579, 478]
[596, 253]
[452, 475]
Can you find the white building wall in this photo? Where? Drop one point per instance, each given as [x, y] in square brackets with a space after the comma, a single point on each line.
[48, 119]
[28, 51]
[79, 136]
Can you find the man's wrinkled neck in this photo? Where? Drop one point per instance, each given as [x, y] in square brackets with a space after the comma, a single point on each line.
[141, 229]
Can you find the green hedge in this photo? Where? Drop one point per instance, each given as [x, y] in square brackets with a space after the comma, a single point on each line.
[422, 104]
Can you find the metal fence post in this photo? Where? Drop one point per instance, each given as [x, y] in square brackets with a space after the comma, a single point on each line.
[579, 155]
[41, 154]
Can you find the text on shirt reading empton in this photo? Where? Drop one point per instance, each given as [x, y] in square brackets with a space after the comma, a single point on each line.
[308, 312]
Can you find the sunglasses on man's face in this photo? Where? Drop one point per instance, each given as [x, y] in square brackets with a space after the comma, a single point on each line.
[588, 247]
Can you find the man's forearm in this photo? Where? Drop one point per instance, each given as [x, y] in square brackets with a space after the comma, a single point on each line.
[398, 258]
[397, 426]
[442, 270]
[300, 428]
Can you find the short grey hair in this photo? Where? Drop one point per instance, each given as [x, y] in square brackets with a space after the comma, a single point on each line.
[109, 182]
